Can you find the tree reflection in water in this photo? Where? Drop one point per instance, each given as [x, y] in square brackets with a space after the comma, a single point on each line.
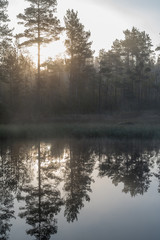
[79, 168]
[157, 174]
[46, 176]
[14, 167]
[130, 165]
[43, 200]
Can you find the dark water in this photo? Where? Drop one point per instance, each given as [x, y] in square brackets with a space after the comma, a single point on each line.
[80, 189]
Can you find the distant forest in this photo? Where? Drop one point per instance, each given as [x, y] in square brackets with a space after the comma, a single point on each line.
[126, 77]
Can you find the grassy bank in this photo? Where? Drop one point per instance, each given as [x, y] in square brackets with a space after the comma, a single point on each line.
[142, 125]
[80, 130]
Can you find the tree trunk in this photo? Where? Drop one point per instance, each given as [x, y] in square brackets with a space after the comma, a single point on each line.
[39, 62]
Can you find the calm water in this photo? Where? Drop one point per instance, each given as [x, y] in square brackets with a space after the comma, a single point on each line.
[80, 189]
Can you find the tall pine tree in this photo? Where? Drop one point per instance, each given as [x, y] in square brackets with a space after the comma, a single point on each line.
[41, 26]
[5, 32]
[79, 50]
[5, 42]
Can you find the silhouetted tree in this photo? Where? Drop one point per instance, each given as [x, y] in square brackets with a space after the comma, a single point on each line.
[125, 71]
[55, 86]
[5, 41]
[79, 50]
[5, 32]
[18, 79]
[138, 60]
[41, 26]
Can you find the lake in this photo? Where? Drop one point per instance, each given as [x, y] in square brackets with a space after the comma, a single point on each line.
[69, 189]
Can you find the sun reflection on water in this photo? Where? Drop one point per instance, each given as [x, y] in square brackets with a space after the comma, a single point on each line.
[48, 160]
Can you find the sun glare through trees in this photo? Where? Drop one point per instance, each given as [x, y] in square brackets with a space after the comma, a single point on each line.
[51, 62]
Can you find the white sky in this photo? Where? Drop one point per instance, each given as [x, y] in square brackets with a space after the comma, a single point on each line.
[106, 19]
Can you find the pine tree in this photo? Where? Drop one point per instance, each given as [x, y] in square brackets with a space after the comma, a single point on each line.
[41, 26]
[138, 57]
[5, 43]
[5, 32]
[78, 49]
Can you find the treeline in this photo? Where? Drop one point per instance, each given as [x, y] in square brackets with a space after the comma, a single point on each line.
[125, 77]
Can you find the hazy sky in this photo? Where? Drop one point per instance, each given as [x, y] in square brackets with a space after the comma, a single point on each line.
[106, 19]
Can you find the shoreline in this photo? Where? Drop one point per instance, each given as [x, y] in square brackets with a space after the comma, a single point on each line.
[80, 130]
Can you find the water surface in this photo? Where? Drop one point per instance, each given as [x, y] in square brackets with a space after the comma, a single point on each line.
[80, 189]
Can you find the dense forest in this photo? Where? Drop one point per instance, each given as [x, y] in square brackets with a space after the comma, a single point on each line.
[126, 77]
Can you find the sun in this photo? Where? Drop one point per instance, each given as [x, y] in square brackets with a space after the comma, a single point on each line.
[52, 50]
